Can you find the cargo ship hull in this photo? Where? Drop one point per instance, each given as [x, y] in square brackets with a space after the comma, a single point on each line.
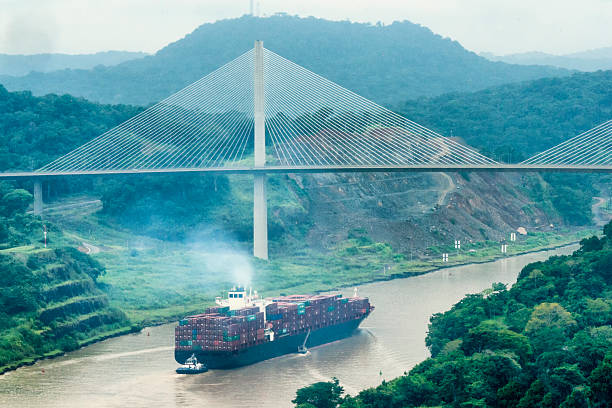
[280, 346]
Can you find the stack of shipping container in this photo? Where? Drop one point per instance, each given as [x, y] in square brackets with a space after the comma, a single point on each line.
[289, 315]
[222, 329]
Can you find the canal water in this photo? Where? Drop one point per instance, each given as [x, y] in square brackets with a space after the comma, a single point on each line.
[137, 370]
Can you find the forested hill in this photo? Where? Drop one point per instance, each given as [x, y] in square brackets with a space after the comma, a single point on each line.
[388, 64]
[546, 342]
[17, 65]
[591, 60]
[514, 121]
[36, 130]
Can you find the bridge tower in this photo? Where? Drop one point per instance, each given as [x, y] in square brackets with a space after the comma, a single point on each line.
[260, 205]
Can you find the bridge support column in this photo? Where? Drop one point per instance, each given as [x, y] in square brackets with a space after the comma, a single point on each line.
[260, 205]
[38, 200]
[260, 217]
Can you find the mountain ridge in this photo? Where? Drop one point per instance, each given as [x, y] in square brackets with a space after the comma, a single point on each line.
[387, 64]
[588, 60]
[21, 64]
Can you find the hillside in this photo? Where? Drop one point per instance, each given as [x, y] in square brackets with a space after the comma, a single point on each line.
[514, 121]
[34, 131]
[50, 301]
[388, 64]
[546, 342]
[319, 210]
[18, 65]
[591, 60]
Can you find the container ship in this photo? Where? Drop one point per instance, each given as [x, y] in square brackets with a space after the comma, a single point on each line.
[244, 329]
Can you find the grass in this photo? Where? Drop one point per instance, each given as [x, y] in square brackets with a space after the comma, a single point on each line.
[25, 249]
[155, 281]
[166, 281]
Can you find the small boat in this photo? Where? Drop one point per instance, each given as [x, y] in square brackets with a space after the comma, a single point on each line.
[192, 366]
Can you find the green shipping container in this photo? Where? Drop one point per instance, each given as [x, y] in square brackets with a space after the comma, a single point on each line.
[231, 338]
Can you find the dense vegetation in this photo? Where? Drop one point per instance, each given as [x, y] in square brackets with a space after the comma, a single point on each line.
[49, 299]
[569, 195]
[388, 64]
[164, 206]
[546, 342]
[37, 130]
[515, 121]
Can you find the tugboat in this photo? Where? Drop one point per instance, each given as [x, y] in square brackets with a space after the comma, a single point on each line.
[192, 366]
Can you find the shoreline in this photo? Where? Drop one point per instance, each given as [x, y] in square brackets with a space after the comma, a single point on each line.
[59, 353]
[394, 276]
[407, 275]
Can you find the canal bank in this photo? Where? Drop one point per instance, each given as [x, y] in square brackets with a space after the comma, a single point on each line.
[395, 271]
[138, 369]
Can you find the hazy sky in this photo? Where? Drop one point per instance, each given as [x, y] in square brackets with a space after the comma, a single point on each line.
[499, 26]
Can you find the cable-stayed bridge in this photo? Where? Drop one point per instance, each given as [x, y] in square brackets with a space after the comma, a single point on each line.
[262, 113]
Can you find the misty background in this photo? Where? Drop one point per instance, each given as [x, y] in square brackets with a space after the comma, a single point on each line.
[500, 27]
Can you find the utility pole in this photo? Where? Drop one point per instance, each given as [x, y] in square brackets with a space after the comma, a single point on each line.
[260, 205]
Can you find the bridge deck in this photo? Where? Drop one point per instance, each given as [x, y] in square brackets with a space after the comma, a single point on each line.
[326, 169]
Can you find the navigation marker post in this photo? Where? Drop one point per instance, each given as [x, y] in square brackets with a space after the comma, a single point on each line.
[260, 206]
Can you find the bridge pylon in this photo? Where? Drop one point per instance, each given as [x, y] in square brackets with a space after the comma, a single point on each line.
[260, 205]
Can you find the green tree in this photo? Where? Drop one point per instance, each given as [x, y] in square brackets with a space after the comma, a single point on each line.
[591, 244]
[579, 398]
[607, 230]
[15, 201]
[414, 390]
[563, 379]
[600, 382]
[492, 335]
[320, 395]
[534, 395]
[549, 326]
[510, 394]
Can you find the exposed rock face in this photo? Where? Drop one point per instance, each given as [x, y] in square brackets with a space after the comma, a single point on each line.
[416, 210]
